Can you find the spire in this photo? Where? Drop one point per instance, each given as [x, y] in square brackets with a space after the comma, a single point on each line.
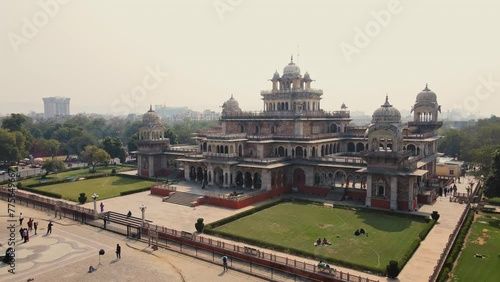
[426, 88]
[386, 104]
[150, 107]
[291, 59]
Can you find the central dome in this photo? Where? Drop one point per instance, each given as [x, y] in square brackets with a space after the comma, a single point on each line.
[426, 95]
[151, 118]
[386, 113]
[231, 105]
[291, 70]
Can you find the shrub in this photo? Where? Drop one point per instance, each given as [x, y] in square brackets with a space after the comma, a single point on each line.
[435, 215]
[199, 225]
[494, 201]
[19, 185]
[392, 269]
[82, 199]
[113, 171]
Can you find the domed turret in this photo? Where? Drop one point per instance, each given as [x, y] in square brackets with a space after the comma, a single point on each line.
[231, 105]
[307, 77]
[291, 70]
[426, 95]
[386, 113]
[276, 76]
[151, 119]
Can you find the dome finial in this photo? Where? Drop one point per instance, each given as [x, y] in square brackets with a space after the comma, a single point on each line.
[231, 95]
[291, 59]
[386, 104]
[426, 87]
[150, 107]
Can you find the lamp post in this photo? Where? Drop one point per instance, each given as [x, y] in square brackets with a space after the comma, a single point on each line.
[95, 196]
[469, 189]
[143, 210]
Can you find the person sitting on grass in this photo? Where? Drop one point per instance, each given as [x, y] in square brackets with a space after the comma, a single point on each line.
[357, 232]
[325, 242]
[318, 242]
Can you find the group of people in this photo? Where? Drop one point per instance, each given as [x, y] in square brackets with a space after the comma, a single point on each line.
[323, 242]
[360, 231]
[25, 232]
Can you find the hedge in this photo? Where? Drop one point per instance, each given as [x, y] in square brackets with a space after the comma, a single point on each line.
[494, 201]
[457, 247]
[44, 193]
[134, 191]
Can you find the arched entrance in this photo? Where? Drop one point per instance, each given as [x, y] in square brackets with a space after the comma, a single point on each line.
[257, 181]
[239, 179]
[248, 180]
[299, 177]
[218, 176]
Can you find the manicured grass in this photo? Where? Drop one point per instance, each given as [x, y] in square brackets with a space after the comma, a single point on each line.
[73, 173]
[483, 239]
[105, 187]
[298, 226]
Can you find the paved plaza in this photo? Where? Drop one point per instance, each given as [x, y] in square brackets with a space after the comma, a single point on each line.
[67, 253]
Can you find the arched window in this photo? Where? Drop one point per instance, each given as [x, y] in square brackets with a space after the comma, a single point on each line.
[273, 129]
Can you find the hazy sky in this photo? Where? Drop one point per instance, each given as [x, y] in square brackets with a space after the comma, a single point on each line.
[119, 56]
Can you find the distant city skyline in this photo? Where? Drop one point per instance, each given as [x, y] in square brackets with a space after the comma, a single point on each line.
[118, 57]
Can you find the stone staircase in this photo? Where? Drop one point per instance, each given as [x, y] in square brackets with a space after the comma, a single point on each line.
[336, 194]
[182, 198]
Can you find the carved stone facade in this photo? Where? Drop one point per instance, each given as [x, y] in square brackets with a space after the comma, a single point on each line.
[293, 143]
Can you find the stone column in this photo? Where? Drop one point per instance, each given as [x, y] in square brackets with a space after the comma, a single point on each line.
[410, 193]
[151, 161]
[266, 180]
[186, 171]
[394, 192]
[251, 177]
[368, 201]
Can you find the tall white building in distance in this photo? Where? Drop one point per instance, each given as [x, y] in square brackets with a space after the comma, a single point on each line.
[55, 106]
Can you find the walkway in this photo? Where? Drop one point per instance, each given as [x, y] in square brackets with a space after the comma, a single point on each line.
[84, 252]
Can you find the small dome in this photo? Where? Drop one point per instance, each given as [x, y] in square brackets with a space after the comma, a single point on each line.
[426, 95]
[151, 118]
[231, 105]
[386, 113]
[291, 70]
[307, 76]
[276, 75]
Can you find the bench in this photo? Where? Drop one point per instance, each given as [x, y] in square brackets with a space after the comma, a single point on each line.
[164, 199]
[187, 235]
[251, 251]
[325, 267]
[43, 181]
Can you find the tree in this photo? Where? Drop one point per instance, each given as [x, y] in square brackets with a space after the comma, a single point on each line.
[53, 165]
[9, 151]
[14, 122]
[94, 155]
[114, 148]
[492, 183]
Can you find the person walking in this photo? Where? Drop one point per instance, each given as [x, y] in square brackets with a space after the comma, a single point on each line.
[102, 207]
[118, 251]
[35, 225]
[21, 231]
[21, 218]
[224, 263]
[30, 224]
[25, 235]
[49, 228]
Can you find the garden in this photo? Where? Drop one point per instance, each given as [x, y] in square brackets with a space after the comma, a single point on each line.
[295, 227]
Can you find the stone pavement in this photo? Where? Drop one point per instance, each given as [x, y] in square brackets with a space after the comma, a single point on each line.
[176, 267]
[67, 253]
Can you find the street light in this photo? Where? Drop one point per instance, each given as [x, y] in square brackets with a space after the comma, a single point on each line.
[95, 196]
[143, 210]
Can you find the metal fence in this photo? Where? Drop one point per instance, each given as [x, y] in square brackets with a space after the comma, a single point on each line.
[242, 258]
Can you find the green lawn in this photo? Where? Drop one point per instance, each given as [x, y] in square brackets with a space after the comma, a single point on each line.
[297, 226]
[73, 173]
[484, 239]
[105, 187]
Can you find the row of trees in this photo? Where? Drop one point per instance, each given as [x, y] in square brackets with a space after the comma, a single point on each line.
[20, 136]
[479, 145]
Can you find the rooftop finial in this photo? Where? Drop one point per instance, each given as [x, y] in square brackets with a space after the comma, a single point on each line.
[426, 88]
[150, 107]
[291, 59]
[386, 104]
[231, 95]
